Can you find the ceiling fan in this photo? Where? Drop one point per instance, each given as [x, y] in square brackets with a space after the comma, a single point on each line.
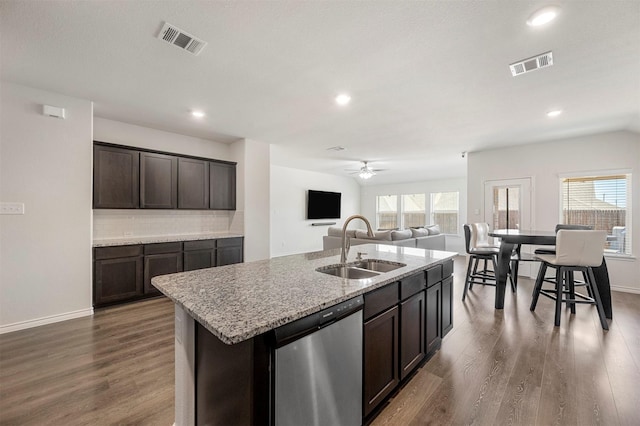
[365, 171]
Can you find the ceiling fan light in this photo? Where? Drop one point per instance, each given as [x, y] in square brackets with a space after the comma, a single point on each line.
[543, 16]
[366, 174]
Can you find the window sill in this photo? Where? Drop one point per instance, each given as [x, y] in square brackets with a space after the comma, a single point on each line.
[623, 257]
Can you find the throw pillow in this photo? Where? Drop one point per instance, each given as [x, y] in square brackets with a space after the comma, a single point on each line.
[401, 235]
[381, 235]
[433, 229]
[419, 232]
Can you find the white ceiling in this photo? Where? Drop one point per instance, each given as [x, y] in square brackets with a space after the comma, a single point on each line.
[428, 79]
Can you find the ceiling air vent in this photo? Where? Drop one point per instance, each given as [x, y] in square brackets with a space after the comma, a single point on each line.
[531, 64]
[177, 37]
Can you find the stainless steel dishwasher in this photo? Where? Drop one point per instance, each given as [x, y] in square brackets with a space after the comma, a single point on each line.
[318, 368]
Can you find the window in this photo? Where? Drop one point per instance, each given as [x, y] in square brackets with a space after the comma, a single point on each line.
[506, 207]
[413, 210]
[387, 211]
[603, 202]
[444, 211]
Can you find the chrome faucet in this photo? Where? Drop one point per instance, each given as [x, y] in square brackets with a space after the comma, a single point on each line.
[346, 243]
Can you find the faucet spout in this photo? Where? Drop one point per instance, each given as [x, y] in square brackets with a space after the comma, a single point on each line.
[345, 240]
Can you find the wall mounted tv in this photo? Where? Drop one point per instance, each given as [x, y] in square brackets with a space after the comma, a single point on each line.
[323, 205]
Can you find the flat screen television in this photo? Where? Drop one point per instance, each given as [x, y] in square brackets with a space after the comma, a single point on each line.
[323, 205]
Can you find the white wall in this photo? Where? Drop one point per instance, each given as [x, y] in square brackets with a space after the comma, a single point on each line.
[291, 232]
[545, 162]
[253, 197]
[144, 223]
[45, 163]
[453, 242]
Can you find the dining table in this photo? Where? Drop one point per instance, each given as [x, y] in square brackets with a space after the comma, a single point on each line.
[512, 238]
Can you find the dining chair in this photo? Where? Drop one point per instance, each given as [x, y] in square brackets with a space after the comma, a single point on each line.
[481, 239]
[576, 250]
[479, 248]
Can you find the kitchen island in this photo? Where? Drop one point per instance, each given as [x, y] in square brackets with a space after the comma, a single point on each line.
[226, 317]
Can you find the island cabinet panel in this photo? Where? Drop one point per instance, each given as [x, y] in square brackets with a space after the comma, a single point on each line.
[412, 335]
[118, 274]
[380, 358]
[229, 251]
[160, 259]
[199, 254]
[158, 181]
[447, 305]
[433, 318]
[222, 186]
[193, 184]
[115, 178]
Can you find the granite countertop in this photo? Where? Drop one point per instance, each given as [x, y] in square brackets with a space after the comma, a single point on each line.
[238, 302]
[128, 241]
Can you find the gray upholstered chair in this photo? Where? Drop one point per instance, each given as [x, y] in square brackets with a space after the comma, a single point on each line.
[576, 250]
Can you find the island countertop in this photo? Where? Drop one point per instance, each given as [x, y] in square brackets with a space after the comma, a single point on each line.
[240, 301]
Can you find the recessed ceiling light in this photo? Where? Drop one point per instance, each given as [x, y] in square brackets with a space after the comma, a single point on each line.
[343, 99]
[197, 114]
[543, 16]
[554, 113]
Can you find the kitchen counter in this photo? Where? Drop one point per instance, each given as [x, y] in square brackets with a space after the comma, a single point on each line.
[241, 301]
[127, 241]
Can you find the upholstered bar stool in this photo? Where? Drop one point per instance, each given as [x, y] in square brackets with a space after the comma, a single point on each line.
[480, 239]
[576, 250]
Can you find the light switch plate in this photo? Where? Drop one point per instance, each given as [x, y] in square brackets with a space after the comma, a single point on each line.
[11, 208]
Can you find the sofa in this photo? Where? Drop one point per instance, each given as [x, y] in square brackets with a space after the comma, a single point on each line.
[425, 238]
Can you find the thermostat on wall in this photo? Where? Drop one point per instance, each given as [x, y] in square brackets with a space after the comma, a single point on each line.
[53, 111]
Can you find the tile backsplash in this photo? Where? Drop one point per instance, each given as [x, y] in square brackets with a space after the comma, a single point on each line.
[151, 223]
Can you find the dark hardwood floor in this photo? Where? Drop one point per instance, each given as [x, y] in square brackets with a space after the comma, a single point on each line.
[494, 367]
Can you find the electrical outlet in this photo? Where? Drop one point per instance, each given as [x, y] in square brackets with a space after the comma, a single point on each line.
[11, 208]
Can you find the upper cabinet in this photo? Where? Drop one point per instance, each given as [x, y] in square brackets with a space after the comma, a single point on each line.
[193, 184]
[115, 178]
[129, 178]
[222, 186]
[158, 181]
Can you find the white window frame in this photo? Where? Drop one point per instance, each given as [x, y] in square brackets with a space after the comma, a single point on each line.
[431, 211]
[400, 208]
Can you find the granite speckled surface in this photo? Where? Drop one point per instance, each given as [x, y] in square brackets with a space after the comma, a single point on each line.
[238, 302]
[127, 241]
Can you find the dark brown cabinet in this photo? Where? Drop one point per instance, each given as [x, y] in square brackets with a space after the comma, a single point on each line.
[380, 358]
[160, 259]
[158, 181]
[433, 321]
[229, 251]
[412, 335]
[118, 274]
[115, 178]
[199, 254]
[193, 184]
[222, 186]
[447, 305]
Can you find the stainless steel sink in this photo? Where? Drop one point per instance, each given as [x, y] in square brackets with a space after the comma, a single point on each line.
[361, 269]
[344, 271]
[378, 265]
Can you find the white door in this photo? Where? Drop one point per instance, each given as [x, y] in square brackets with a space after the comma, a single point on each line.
[507, 205]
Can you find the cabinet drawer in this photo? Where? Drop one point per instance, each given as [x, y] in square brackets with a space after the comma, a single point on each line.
[115, 252]
[434, 275]
[199, 245]
[229, 242]
[447, 269]
[160, 248]
[412, 285]
[379, 300]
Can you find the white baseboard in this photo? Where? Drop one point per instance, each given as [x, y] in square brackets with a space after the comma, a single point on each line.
[45, 320]
[625, 289]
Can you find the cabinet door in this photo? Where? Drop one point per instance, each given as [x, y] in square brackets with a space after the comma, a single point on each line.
[433, 318]
[447, 305]
[158, 181]
[380, 358]
[229, 251]
[160, 264]
[412, 336]
[193, 184]
[222, 186]
[115, 178]
[199, 259]
[117, 279]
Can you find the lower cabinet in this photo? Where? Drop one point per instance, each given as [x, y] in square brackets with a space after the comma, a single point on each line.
[380, 358]
[199, 254]
[447, 305]
[229, 251]
[432, 325]
[118, 274]
[412, 337]
[160, 259]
